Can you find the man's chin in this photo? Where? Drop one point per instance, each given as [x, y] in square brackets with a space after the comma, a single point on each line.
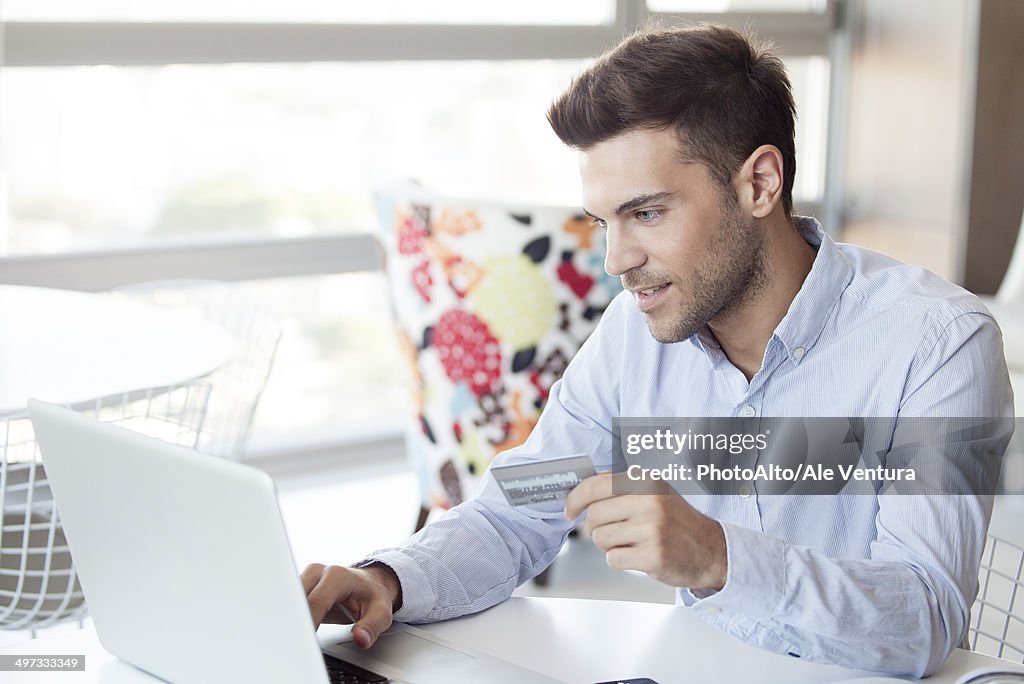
[668, 333]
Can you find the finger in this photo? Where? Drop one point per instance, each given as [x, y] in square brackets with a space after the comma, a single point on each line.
[623, 484]
[624, 558]
[592, 489]
[338, 614]
[615, 509]
[311, 576]
[334, 587]
[614, 535]
[375, 619]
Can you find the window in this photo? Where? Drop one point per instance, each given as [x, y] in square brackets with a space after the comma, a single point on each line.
[736, 5]
[127, 125]
[537, 12]
[101, 156]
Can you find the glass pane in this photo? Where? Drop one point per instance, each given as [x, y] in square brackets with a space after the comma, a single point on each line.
[112, 156]
[737, 5]
[587, 12]
[101, 155]
[810, 79]
[338, 364]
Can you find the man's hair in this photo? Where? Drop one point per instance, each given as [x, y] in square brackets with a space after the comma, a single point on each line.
[722, 94]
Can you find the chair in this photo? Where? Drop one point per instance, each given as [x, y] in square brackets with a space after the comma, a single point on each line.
[214, 414]
[236, 387]
[997, 618]
[491, 302]
[1007, 306]
[1011, 290]
[38, 585]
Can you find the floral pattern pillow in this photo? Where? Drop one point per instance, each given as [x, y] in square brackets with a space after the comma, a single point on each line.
[491, 302]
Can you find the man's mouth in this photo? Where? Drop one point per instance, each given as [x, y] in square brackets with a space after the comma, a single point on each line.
[648, 297]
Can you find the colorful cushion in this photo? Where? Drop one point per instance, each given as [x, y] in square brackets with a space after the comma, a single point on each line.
[491, 302]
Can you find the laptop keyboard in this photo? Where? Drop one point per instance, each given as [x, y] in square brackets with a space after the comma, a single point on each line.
[341, 672]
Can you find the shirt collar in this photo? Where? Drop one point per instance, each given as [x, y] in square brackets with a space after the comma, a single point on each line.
[830, 273]
[800, 328]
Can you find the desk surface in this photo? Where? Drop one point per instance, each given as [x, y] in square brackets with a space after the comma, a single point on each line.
[68, 347]
[576, 640]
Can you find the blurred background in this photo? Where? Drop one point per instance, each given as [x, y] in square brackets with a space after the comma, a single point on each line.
[158, 133]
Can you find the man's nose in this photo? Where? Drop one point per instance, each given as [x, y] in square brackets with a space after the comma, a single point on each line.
[624, 254]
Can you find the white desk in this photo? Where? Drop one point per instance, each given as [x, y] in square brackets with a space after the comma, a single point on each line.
[70, 347]
[571, 639]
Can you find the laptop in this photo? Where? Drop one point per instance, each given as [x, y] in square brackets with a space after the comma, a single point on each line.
[185, 564]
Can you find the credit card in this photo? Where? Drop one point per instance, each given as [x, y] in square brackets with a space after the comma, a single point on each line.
[539, 481]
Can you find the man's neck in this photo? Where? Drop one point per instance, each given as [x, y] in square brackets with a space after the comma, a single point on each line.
[744, 332]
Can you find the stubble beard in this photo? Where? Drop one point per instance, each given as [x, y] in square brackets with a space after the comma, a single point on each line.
[731, 274]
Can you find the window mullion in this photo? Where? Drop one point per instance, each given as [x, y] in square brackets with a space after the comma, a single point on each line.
[124, 43]
[238, 260]
[797, 34]
[630, 13]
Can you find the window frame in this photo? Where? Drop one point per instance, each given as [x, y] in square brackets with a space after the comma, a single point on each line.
[47, 44]
[51, 43]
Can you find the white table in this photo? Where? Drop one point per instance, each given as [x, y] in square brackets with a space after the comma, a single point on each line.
[576, 640]
[71, 347]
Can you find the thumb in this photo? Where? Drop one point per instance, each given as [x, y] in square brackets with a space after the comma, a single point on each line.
[375, 620]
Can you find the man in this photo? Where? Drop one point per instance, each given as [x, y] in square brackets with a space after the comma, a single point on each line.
[734, 308]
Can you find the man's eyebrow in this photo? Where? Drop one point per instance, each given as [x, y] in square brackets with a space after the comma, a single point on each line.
[637, 202]
[642, 200]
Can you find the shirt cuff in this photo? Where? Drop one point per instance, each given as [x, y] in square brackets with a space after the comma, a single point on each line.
[417, 597]
[756, 578]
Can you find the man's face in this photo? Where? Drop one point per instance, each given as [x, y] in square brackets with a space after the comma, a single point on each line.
[686, 254]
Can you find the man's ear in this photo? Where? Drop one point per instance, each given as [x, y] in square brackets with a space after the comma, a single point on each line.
[759, 181]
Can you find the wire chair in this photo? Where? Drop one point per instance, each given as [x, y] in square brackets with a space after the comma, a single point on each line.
[238, 385]
[38, 585]
[997, 618]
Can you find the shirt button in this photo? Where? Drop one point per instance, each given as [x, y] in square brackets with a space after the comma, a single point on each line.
[712, 610]
[747, 411]
[798, 353]
[745, 491]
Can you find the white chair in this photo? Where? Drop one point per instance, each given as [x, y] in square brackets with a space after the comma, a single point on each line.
[1011, 290]
[1008, 308]
[237, 386]
[38, 585]
[214, 414]
[997, 618]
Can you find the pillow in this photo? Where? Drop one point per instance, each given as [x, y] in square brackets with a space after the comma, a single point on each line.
[491, 301]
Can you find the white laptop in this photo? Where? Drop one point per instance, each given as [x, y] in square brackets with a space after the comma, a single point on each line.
[186, 567]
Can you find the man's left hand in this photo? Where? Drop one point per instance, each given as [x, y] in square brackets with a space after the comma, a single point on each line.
[648, 526]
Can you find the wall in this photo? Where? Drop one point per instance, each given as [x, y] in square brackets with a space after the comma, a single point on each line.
[935, 143]
[996, 197]
[907, 122]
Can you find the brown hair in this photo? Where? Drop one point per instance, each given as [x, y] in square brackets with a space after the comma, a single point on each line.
[723, 95]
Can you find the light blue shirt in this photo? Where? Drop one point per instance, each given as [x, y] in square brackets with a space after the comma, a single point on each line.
[874, 582]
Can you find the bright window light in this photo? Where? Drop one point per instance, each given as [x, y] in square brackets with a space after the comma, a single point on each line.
[736, 5]
[99, 156]
[104, 156]
[583, 12]
[114, 156]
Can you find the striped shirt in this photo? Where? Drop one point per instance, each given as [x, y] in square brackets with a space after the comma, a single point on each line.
[873, 582]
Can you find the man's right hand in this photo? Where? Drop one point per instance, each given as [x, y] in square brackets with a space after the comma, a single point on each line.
[368, 596]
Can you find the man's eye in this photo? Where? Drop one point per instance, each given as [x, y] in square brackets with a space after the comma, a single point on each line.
[647, 215]
[600, 223]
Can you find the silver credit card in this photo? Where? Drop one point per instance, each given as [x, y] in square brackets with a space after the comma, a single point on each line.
[539, 481]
